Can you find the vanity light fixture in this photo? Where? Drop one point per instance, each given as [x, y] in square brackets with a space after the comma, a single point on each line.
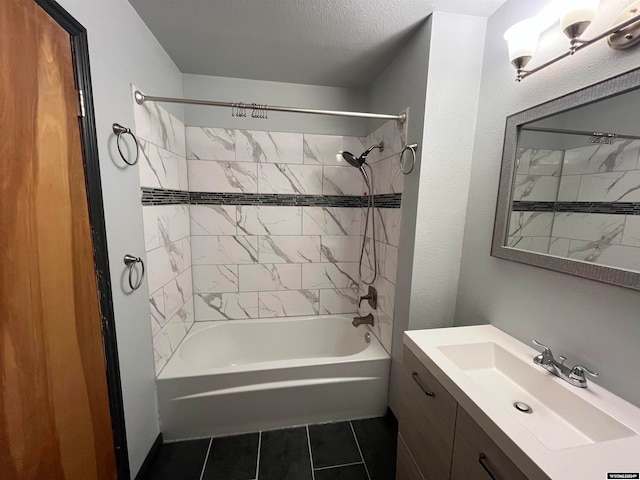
[574, 16]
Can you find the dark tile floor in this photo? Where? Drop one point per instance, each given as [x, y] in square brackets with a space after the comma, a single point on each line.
[356, 450]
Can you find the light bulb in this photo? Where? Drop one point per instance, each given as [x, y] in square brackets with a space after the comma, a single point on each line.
[577, 15]
[522, 39]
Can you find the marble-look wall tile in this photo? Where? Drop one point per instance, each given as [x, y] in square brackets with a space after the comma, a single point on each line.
[158, 167]
[269, 277]
[269, 220]
[156, 307]
[223, 177]
[530, 244]
[289, 179]
[589, 226]
[289, 249]
[213, 219]
[342, 181]
[331, 221]
[559, 246]
[323, 149]
[215, 278]
[619, 256]
[610, 187]
[329, 275]
[289, 303]
[387, 225]
[536, 188]
[183, 175]
[176, 292]
[156, 125]
[165, 263]
[268, 147]
[161, 351]
[389, 265]
[338, 301]
[569, 188]
[173, 222]
[386, 295]
[211, 144]
[340, 248]
[224, 250]
[621, 155]
[631, 236]
[151, 231]
[382, 134]
[355, 145]
[225, 306]
[399, 135]
[530, 224]
[537, 161]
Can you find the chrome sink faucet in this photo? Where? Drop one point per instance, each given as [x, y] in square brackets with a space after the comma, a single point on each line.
[574, 376]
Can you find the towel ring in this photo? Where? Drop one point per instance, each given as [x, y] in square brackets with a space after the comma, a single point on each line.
[119, 130]
[412, 149]
[131, 261]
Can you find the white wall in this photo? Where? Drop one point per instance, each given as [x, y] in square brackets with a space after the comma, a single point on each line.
[203, 87]
[123, 51]
[436, 75]
[589, 322]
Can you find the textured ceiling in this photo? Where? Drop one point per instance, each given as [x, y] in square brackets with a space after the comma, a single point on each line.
[342, 43]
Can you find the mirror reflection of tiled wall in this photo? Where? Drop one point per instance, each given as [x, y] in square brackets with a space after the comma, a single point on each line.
[582, 203]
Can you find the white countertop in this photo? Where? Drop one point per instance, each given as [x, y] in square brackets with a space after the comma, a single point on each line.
[583, 462]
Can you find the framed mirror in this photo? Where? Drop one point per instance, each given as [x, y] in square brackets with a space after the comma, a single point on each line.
[569, 195]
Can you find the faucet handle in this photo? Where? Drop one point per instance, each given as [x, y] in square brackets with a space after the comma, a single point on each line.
[579, 370]
[547, 350]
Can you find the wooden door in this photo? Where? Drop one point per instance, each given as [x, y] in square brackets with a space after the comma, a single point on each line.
[54, 408]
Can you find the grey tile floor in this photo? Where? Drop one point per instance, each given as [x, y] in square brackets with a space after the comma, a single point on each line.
[354, 450]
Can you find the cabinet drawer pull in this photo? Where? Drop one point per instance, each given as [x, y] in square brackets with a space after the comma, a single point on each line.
[414, 375]
[482, 460]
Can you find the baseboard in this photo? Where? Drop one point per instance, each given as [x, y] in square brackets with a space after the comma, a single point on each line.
[149, 458]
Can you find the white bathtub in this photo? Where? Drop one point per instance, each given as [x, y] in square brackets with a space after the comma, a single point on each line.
[248, 375]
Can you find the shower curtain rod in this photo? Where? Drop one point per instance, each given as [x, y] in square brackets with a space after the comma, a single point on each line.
[142, 98]
[580, 132]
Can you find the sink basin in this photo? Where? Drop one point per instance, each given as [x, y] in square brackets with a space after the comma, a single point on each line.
[571, 432]
[559, 418]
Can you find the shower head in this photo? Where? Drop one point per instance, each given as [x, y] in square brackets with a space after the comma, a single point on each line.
[352, 160]
[361, 160]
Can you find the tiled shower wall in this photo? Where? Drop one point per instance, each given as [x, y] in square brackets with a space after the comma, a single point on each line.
[162, 165]
[257, 224]
[275, 259]
[604, 226]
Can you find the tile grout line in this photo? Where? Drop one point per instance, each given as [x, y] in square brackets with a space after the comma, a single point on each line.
[313, 473]
[359, 450]
[339, 466]
[258, 459]
[204, 465]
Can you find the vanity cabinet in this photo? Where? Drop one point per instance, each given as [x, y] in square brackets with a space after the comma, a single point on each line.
[438, 439]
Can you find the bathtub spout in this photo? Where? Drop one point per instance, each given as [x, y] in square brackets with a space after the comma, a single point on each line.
[366, 320]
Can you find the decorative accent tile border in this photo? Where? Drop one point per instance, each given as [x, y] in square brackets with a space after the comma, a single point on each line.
[154, 196]
[611, 208]
[159, 196]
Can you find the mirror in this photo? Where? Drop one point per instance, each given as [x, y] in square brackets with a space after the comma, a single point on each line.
[569, 197]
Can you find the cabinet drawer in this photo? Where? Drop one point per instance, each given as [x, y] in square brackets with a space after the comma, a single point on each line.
[426, 419]
[476, 456]
[406, 468]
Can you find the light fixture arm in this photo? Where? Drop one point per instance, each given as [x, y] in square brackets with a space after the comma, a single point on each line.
[578, 44]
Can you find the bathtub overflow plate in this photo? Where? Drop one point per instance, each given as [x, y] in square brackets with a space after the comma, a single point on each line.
[367, 337]
[522, 407]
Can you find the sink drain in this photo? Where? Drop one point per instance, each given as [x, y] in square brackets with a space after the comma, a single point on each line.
[522, 407]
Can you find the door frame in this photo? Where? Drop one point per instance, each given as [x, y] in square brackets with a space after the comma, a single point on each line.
[89, 142]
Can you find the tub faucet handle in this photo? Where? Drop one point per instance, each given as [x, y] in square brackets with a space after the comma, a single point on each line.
[371, 297]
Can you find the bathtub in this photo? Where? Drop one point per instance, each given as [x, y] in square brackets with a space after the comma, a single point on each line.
[244, 376]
